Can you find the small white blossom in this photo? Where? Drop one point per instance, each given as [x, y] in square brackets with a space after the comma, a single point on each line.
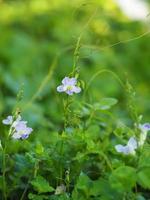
[21, 131]
[129, 148]
[144, 128]
[60, 189]
[17, 121]
[69, 86]
[8, 120]
[19, 128]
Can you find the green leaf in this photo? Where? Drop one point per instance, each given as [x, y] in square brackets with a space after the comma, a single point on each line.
[123, 178]
[93, 132]
[105, 104]
[139, 197]
[84, 182]
[39, 148]
[144, 177]
[102, 188]
[82, 188]
[37, 197]
[41, 185]
[144, 160]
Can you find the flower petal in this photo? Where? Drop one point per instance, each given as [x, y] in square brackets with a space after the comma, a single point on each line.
[16, 136]
[69, 81]
[24, 136]
[29, 130]
[144, 127]
[124, 149]
[60, 88]
[69, 92]
[8, 120]
[20, 126]
[66, 81]
[132, 143]
[119, 148]
[76, 89]
[72, 81]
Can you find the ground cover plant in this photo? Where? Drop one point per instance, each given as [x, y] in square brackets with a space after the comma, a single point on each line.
[73, 127]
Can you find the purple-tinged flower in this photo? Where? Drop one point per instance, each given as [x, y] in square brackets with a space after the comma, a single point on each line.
[129, 148]
[8, 120]
[69, 86]
[18, 128]
[144, 128]
[21, 131]
[17, 121]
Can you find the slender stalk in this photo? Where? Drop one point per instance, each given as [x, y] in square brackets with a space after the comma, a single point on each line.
[4, 172]
[35, 170]
[24, 192]
[60, 160]
[78, 44]
[67, 180]
[4, 164]
[76, 55]
[43, 83]
[66, 112]
[99, 73]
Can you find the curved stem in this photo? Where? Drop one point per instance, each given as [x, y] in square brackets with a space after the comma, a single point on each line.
[43, 83]
[78, 43]
[95, 47]
[106, 160]
[100, 72]
[35, 170]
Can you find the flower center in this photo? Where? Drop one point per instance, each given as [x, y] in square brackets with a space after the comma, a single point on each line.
[69, 87]
[21, 132]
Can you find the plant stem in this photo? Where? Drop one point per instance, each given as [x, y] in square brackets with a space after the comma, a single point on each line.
[66, 112]
[4, 164]
[4, 172]
[60, 161]
[76, 55]
[35, 170]
[24, 192]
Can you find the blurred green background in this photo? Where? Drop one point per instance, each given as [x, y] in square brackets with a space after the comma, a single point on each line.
[35, 32]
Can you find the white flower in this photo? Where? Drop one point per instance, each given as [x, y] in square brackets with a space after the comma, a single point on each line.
[60, 189]
[69, 86]
[17, 121]
[19, 128]
[8, 120]
[129, 148]
[21, 131]
[144, 128]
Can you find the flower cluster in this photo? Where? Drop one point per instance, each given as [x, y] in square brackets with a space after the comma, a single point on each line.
[69, 86]
[133, 143]
[18, 127]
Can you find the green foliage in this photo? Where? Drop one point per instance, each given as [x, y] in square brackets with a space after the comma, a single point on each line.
[105, 104]
[123, 178]
[41, 185]
[37, 197]
[144, 178]
[71, 154]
